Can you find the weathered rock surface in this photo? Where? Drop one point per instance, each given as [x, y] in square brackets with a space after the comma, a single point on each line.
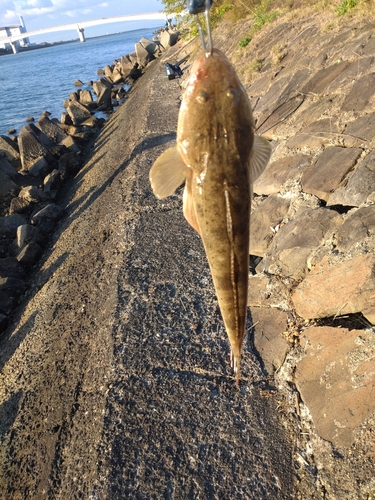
[336, 379]
[330, 169]
[332, 290]
[295, 242]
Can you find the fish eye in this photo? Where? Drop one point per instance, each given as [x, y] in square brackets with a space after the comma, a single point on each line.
[232, 93]
[202, 96]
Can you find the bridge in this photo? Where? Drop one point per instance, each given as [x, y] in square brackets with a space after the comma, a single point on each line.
[80, 27]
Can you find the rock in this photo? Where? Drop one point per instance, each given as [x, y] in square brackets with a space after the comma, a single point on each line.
[321, 79]
[10, 267]
[35, 156]
[12, 285]
[78, 112]
[69, 164]
[70, 144]
[280, 171]
[20, 206]
[152, 47]
[267, 291]
[323, 177]
[11, 131]
[8, 169]
[9, 225]
[358, 67]
[168, 38]
[52, 181]
[358, 186]
[51, 212]
[29, 254]
[33, 194]
[268, 122]
[56, 133]
[360, 95]
[91, 122]
[7, 186]
[269, 325]
[344, 288]
[65, 119]
[85, 97]
[78, 83]
[26, 233]
[359, 225]
[293, 244]
[108, 73]
[30, 119]
[264, 219]
[10, 151]
[100, 85]
[126, 65]
[336, 380]
[3, 322]
[363, 128]
[117, 76]
[105, 99]
[7, 302]
[134, 74]
[143, 56]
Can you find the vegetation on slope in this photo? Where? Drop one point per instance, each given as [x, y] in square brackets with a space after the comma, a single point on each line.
[262, 12]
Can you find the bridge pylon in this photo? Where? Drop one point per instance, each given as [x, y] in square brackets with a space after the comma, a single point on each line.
[81, 34]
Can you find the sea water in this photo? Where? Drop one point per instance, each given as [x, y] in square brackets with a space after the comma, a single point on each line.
[40, 80]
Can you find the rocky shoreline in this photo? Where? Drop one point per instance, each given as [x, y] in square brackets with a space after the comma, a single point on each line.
[36, 164]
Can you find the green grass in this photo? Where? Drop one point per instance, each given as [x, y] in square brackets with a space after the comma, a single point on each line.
[345, 6]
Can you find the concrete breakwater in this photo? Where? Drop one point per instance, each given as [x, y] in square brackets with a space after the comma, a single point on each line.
[35, 165]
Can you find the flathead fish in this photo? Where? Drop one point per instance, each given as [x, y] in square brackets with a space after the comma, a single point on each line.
[219, 156]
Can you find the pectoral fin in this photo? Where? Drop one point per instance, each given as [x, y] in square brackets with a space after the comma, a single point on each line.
[259, 158]
[167, 173]
[188, 205]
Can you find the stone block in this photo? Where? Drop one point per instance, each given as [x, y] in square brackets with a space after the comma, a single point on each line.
[344, 288]
[280, 171]
[78, 112]
[295, 241]
[361, 93]
[269, 325]
[51, 129]
[265, 217]
[323, 177]
[9, 150]
[7, 186]
[336, 380]
[322, 78]
[362, 128]
[359, 225]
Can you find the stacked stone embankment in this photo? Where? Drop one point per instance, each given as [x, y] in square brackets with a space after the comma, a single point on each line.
[313, 220]
[45, 155]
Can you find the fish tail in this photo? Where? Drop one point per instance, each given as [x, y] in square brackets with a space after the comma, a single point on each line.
[235, 362]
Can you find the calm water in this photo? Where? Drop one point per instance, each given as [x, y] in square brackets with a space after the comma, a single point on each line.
[38, 80]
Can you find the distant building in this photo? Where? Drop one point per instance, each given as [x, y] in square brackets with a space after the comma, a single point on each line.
[13, 30]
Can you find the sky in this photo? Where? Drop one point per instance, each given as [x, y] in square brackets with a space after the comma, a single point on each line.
[39, 14]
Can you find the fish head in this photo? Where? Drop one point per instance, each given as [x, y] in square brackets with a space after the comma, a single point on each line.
[215, 113]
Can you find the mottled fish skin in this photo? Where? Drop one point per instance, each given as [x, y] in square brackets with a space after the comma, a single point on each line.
[215, 139]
